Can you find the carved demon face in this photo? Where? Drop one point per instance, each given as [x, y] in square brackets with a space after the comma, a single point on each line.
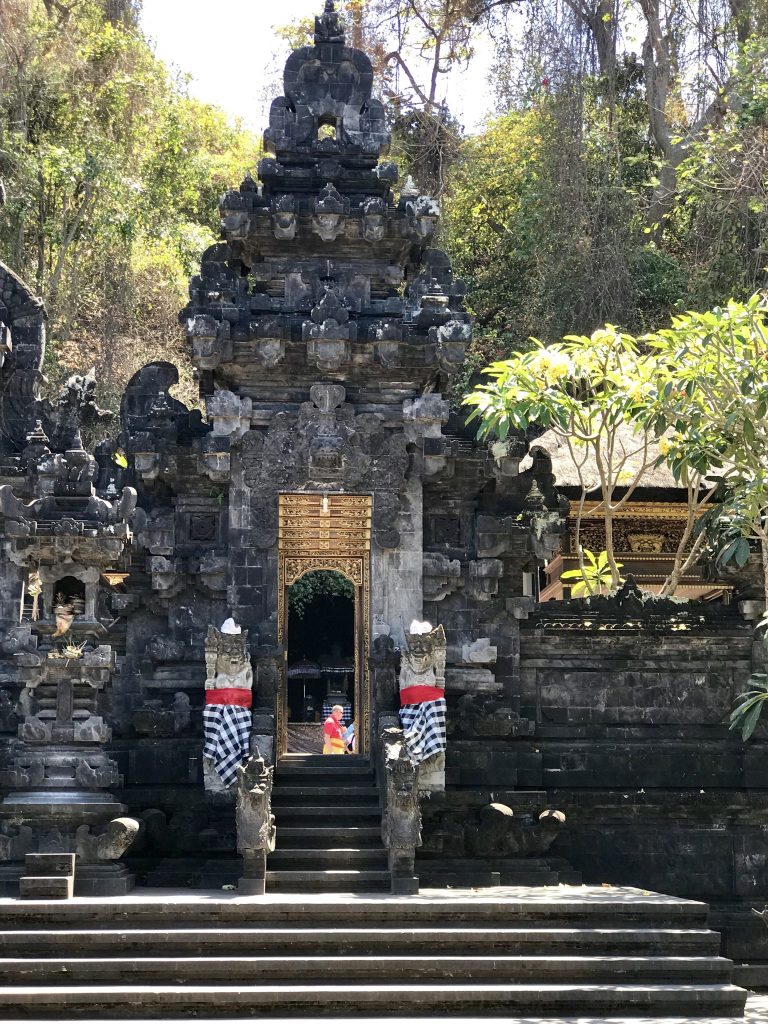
[284, 225]
[420, 652]
[231, 656]
[421, 649]
[328, 225]
[374, 226]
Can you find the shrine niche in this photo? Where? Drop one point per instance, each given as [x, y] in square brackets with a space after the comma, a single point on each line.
[646, 536]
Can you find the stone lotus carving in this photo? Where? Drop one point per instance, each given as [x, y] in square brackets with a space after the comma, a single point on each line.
[374, 219]
[329, 216]
[329, 334]
[284, 221]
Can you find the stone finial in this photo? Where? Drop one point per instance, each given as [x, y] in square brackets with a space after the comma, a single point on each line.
[329, 27]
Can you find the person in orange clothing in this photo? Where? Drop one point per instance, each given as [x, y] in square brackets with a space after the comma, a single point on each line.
[333, 733]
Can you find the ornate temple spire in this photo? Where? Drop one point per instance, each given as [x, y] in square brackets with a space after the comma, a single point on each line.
[329, 27]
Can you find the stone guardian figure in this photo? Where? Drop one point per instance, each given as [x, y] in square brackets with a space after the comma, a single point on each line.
[228, 699]
[256, 832]
[422, 702]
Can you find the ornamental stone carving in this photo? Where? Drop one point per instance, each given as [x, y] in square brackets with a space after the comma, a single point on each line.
[326, 442]
[227, 660]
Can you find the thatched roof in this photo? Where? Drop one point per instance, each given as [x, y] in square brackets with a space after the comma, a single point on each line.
[628, 443]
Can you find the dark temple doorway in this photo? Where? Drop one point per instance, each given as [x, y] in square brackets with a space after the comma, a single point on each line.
[321, 656]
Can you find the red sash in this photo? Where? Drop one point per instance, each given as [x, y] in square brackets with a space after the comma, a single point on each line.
[420, 694]
[230, 695]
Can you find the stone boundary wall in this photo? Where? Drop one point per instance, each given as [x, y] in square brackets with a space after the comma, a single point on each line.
[632, 731]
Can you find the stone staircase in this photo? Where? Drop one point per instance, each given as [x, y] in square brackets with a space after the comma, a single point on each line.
[328, 826]
[566, 952]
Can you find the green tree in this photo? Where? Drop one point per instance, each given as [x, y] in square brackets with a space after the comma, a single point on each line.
[112, 173]
[587, 390]
[710, 405]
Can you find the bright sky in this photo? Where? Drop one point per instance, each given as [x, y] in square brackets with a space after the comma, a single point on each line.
[235, 60]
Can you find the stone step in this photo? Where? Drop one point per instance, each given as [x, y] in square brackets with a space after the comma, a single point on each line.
[49, 864]
[339, 762]
[319, 836]
[344, 813]
[328, 794]
[466, 877]
[68, 1002]
[330, 857]
[326, 969]
[334, 941]
[562, 907]
[328, 880]
[299, 771]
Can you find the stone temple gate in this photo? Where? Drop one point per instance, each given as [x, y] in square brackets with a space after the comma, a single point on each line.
[325, 327]
[144, 581]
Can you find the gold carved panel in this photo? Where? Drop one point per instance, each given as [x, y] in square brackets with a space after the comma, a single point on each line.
[329, 532]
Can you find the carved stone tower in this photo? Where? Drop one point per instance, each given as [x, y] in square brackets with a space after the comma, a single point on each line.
[323, 327]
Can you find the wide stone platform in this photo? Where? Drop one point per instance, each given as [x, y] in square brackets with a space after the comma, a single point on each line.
[559, 952]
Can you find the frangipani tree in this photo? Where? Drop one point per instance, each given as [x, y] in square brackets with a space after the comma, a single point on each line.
[710, 406]
[588, 390]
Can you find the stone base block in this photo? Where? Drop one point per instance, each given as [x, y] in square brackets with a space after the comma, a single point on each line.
[104, 880]
[251, 886]
[9, 879]
[46, 887]
[405, 885]
[49, 864]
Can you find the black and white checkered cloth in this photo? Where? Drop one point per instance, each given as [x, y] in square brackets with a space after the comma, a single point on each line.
[424, 729]
[227, 729]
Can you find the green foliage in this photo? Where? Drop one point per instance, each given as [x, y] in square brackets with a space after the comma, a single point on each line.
[749, 707]
[593, 576]
[543, 219]
[719, 224]
[322, 583]
[588, 390]
[112, 173]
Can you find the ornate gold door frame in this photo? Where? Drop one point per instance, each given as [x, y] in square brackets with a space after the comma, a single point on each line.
[332, 532]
